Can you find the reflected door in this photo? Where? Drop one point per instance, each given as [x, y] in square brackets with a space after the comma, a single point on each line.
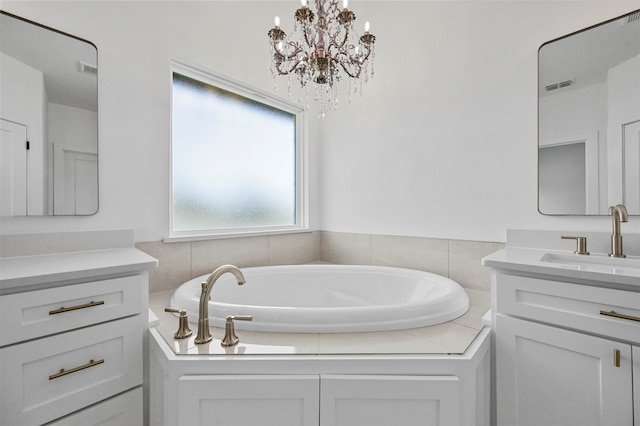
[13, 169]
[75, 181]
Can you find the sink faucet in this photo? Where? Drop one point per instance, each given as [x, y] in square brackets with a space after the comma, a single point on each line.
[619, 214]
[204, 335]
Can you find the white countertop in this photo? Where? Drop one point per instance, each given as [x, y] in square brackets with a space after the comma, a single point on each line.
[452, 337]
[590, 269]
[25, 273]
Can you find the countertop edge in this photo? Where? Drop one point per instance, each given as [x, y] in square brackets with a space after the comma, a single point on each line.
[42, 271]
[529, 261]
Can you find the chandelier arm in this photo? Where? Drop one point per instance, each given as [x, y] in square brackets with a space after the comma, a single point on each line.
[344, 65]
[365, 56]
[297, 48]
[288, 70]
[344, 40]
[349, 73]
[333, 42]
[360, 60]
[357, 64]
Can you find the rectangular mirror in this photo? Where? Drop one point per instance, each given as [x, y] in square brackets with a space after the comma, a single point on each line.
[589, 120]
[48, 120]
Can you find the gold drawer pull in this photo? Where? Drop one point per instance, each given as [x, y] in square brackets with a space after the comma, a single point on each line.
[621, 316]
[64, 372]
[616, 357]
[74, 308]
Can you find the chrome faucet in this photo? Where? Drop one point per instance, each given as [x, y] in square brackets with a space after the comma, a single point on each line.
[204, 335]
[619, 214]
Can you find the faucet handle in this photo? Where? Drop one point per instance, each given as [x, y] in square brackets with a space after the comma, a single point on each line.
[230, 338]
[581, 244]
[183, 324]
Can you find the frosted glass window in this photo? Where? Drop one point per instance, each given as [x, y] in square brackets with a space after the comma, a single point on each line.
[234, 161]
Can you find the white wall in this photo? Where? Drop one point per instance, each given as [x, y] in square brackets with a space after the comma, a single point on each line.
[445, 140]
[442, 144]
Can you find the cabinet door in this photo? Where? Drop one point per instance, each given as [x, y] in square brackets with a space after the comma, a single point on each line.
[551, 376]
[389, 400]
[248, 400]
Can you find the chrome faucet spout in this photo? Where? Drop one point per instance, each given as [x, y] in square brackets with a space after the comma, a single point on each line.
[204, 335]
[618, 214]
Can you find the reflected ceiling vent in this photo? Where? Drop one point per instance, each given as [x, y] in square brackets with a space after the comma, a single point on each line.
[556, 86]
[86, 68]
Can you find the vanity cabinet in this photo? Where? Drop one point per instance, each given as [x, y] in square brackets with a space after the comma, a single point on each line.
[325, 400]
[561, 358]
[71, 341]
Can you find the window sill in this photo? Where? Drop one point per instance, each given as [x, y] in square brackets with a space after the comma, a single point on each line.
[204, 237]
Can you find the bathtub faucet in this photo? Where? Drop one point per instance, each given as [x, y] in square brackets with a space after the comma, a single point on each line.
[204, 335]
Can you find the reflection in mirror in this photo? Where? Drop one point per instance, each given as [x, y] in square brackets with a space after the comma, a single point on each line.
[589, 120]
[48, 119]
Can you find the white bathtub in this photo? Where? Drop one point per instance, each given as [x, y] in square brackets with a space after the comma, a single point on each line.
[328, 299]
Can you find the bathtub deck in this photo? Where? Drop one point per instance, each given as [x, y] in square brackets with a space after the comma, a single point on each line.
[452, 337]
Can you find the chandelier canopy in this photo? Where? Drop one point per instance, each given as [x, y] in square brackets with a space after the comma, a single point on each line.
[322, 51]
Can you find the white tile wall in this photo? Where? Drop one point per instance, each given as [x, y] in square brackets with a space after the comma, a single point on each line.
[242, 252]
[427, 254]
[345, 248]
[464, 263]
[174, 264]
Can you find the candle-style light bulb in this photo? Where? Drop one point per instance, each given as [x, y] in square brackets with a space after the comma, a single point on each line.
[276, 21]
[366, 27]
[304, 3]
[345, 4]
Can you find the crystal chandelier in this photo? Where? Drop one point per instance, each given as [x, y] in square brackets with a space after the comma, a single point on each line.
[322, 52]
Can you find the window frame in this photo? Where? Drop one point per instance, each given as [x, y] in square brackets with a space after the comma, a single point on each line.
[240, 88]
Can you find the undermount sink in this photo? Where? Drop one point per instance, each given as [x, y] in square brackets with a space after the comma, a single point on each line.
[592, 260]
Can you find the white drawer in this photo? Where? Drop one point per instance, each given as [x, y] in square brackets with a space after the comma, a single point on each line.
[578, 307]
[121, 410]
[44, 312]
[99, 362]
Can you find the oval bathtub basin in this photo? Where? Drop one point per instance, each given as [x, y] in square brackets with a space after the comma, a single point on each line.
[328, 299]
